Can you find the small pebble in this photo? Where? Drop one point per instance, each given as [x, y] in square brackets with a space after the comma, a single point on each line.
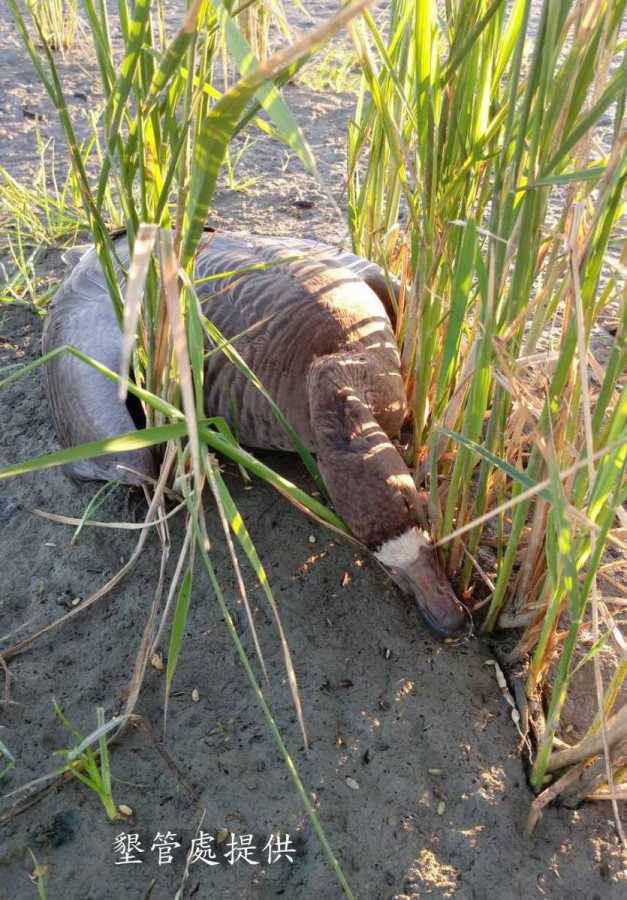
[352, 784]
[8, 506]
[195, 695]
[312, 539]
[303, 204]
[76, 601]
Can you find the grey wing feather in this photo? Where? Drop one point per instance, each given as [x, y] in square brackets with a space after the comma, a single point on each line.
[84, 402]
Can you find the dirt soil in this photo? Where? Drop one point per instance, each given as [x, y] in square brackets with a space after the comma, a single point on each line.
[414, 765]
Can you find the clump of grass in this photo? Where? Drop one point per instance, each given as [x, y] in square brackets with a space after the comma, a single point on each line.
[475, 170]
[94, 771]
[44, 210]
[58, 20]
[21, 285]
[334, 70]
[89, 766]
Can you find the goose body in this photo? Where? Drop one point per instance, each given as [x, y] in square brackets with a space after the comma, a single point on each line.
[313, 326]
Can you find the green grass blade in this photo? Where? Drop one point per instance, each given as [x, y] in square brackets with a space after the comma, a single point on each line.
[132, 440]
[268, 95]
[178, 627]
[240, 531]
[93, 506]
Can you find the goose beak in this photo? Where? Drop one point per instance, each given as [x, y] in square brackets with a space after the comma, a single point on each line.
[425, 580]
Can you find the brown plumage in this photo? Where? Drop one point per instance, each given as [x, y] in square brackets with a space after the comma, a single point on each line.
[319, 338]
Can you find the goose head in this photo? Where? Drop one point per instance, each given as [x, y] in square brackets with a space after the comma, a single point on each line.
[412, 563]
[355, 406]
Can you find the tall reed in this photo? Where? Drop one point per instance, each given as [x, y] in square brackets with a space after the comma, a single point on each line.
[476, 169]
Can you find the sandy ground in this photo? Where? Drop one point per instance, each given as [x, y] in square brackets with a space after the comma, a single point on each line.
[414, 765]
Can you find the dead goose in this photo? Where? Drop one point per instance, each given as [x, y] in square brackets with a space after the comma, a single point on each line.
[326, 354]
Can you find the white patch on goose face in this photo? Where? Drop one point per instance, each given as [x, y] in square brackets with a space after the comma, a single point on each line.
[403, 550]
